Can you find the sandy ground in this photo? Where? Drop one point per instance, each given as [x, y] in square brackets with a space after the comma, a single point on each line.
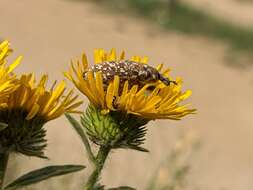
[235, 11]
[48, 33]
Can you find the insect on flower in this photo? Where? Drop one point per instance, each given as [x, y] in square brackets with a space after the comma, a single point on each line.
[129, 86]
[134, 72]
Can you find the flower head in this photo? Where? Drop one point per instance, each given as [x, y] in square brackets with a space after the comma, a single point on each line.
[28, 108]
[38, 102]
[129, 86]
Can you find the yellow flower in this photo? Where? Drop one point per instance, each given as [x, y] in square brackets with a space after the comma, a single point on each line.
[8, 81]
[27, 109]
[129, 86]
[36, 101]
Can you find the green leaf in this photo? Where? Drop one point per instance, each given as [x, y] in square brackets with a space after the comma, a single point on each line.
[43, 174]
[79, 129]
[3, 126]
[122, 188]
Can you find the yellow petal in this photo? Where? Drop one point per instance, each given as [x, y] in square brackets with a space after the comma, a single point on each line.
[116, 86]
[122, 55]
[84, 61]
[15, 64]
[110, 96]
[100, 88]
[4, 44]
[112, 56]
[144, 60]
[159, 67]
[33, 111]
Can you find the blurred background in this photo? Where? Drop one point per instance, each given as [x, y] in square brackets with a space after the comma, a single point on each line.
[209, 43]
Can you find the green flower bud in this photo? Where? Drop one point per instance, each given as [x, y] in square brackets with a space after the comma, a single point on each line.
[115, 129]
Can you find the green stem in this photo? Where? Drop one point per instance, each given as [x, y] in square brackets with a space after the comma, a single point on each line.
[3, 166]
[100, 161]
